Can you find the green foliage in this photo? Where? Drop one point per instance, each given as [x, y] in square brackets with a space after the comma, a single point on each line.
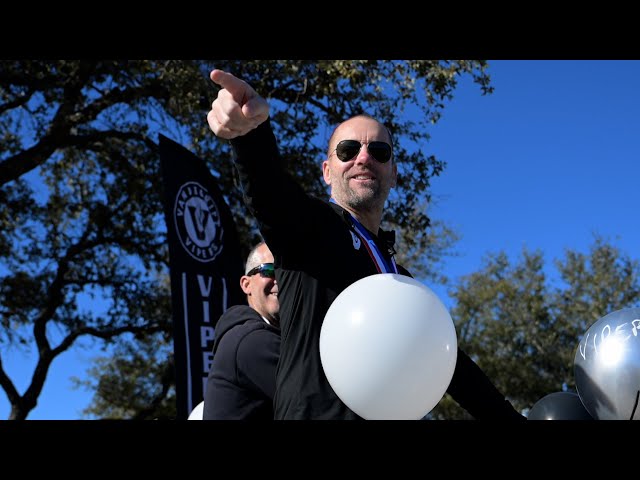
[137, 381]
[523, 331]
[81, 192]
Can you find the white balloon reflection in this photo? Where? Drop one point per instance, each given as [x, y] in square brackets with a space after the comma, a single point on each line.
[611, 351]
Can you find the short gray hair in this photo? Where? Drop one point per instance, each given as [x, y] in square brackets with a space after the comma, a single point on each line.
[253, 259]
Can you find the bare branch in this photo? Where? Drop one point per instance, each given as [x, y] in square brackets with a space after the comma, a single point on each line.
[8, 386]
[105, 334]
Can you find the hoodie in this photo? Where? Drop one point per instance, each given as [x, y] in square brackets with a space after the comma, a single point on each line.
[242, 378]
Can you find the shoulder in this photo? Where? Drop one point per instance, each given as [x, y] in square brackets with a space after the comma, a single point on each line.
[248, 326]
[239, 310]
[243, 338]
[260, 333]
[259, 341]
[236, 320]
[238, 314]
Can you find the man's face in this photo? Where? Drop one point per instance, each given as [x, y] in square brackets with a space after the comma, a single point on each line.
[361, 183]
[262, 290]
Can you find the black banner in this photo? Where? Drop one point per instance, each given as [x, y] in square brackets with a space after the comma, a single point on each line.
[205, 265]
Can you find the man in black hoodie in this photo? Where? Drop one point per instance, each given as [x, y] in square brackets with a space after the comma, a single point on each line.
[246, 348]
[320, 247]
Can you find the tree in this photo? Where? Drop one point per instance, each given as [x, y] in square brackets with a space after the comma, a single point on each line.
[81, 192]
[523, 331]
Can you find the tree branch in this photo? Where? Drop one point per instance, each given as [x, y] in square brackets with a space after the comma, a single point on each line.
[330, 113]
[67, 117]
[95, 139]
[105, 334]
[14, 167]
[25, 161]
[55, 296]
[116, 96]
[16, 102]
[167, 380]
[8, 386]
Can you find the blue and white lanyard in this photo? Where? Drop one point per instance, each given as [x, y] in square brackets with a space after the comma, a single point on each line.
[381, 264]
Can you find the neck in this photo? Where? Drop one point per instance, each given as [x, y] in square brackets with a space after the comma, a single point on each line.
[370, 219]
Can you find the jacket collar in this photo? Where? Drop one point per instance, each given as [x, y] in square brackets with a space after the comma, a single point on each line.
[383, 237]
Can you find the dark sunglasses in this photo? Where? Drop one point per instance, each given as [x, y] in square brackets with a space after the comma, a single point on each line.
[264, 269]
[348, 149]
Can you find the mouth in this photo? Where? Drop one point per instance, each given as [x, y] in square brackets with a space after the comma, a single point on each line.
[363, 177]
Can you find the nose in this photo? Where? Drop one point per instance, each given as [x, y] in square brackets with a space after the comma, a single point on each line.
[363, 155]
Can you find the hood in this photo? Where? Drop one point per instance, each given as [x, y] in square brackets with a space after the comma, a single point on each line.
[236, 315]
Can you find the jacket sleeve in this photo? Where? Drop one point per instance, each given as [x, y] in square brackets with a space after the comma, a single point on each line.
[272, 195]
[474, 392]
[257, 359]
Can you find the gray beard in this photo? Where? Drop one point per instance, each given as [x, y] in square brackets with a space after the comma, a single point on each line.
[365, 203]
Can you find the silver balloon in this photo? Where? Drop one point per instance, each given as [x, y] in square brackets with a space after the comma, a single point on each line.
[559, 406]
[607, 366]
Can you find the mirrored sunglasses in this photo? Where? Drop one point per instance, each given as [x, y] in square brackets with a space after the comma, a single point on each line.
[348, 149]
[264, 269]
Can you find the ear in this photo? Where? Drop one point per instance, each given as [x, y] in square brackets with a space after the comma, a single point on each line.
[326, 172]
[245, 284]
[394, 179]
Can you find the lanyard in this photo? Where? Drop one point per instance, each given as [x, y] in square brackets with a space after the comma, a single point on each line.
[379, 261]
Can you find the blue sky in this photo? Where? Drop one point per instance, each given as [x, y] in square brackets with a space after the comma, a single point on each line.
[547, 160]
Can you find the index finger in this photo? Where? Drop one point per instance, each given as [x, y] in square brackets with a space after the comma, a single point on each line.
[236, 87]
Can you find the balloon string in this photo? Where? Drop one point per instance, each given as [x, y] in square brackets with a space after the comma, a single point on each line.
[635, 405]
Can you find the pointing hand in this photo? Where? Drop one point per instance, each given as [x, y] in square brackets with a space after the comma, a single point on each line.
[238, 108]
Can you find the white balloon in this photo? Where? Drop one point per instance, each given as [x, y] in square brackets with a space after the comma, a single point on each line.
[197, 412]
[388, 347]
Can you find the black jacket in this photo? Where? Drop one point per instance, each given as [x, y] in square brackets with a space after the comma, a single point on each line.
[242, 378]
[316, 259]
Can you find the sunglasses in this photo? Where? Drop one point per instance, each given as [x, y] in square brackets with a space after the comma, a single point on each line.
[348, 149]
[264, 269]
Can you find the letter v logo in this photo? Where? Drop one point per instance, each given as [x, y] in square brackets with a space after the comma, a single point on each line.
[356, 240]
[199, 217]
